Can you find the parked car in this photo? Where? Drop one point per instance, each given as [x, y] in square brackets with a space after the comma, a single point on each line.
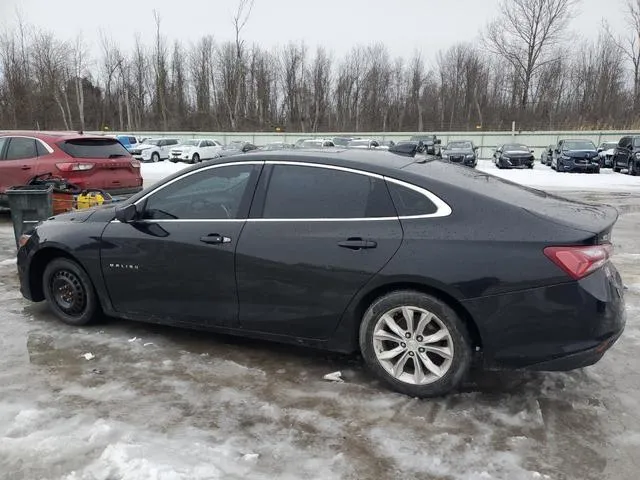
[407, 148]
[235, 148]
[627, 155]
[89, 162]
[431, 144]
[316, 143]
[129, 141]
[364, 144]
[277, 146]
[194, 151]
[463, 152]
[606, 152]
[154, 149]
[513, 155]
[228, 235]
[342, 141]
[547, 154]
[387, 144]
[575, 156]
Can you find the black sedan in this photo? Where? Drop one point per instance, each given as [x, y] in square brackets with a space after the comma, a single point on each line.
[420, 266]
[462, 152]
[575, 156]
[513, 155]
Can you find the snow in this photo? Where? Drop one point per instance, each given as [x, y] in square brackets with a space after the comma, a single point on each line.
[543, 177]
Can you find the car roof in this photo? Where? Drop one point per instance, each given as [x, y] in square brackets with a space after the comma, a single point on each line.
[52, 136]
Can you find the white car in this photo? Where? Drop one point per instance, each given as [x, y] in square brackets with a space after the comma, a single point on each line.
[194, 151]
[154, 149]
[366, 144]
[606, 152]
[315, 143]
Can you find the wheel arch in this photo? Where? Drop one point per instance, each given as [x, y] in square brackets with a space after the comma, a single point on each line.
[364, 301]
[38, 264]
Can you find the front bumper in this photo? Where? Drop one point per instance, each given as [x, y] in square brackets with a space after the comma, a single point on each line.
[516, 162]
[559, 327]
[572, 166]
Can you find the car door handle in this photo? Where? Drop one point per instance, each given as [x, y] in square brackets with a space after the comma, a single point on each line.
[25, 167]
[215, 239]
[357, 244]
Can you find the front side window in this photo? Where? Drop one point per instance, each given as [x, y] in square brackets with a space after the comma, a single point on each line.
[211, 194]
[21, 148]
[300, 192]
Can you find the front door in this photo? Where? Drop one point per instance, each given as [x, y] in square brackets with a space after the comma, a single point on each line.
[177, 261]
[19, 162]
[315, 237]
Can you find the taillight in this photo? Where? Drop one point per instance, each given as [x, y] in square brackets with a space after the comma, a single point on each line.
[135, 163]
[74, 167]
[578, 262]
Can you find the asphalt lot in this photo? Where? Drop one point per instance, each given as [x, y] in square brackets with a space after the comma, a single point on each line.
[162, 403]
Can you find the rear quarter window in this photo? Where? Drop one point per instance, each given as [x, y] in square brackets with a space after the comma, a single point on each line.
[93, 148]
[409, 202]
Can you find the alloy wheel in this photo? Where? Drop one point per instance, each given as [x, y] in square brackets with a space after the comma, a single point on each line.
[413, 345]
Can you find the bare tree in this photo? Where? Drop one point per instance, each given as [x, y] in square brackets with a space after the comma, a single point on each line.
[525, 33]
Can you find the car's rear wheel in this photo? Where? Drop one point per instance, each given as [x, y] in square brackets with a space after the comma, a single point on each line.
[415, 343]
[155, 157]
[196, 158]
[69, 292]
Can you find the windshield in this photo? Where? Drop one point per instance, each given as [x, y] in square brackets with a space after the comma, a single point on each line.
[578, 145]
[513, 147]
[152, 142]
[459, 145]
[610, 145]
[342, 142]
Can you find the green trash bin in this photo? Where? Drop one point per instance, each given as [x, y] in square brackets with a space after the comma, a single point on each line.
[29, 204]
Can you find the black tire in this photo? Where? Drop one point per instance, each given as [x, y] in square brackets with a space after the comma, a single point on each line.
[155, 157]
[531, 167]
[195, 158]
[69, 292]
[632, 168]
[461, 342]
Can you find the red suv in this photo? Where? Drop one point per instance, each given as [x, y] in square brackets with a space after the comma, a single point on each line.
[84, 160]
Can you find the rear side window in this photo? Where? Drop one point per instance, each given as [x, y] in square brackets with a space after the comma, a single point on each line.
[20, 148]
[409, 203]
[42, 151]
[299, 192]
[93, 148]
[3, 142]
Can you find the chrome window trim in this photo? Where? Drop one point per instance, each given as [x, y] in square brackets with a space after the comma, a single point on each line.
[42, 142]
[442, 208]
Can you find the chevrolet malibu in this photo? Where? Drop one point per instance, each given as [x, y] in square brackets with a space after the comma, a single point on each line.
[422, 266]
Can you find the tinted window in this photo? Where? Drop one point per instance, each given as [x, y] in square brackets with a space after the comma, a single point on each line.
[132, 140]
[3, 141]
[636, 141]
[408, 202]
[94, 148]
[312, 192]
[42, 151]
[211, 194]
[20, 148]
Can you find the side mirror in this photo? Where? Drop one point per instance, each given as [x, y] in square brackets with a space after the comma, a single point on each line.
[127, 213]
[475, 148]
[438, 142]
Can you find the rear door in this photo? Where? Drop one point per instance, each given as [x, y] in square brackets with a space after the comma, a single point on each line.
[315, 236]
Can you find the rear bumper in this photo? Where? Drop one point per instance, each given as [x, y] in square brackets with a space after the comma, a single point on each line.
[559, 327]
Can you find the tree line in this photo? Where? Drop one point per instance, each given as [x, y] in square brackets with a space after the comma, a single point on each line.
[525, 68]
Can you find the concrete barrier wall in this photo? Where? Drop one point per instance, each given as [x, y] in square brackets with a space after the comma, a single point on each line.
[486, 141]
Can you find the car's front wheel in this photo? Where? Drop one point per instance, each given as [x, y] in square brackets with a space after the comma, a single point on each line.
[69, 292]
[155, 157]
[415, 343]
[195, 158]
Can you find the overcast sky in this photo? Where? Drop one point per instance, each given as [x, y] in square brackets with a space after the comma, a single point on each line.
[404, 26]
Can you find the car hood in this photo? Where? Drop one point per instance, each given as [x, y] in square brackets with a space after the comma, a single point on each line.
[144, 146]
[517, 152]
[79, 216]
[458, 151]
[580, 153]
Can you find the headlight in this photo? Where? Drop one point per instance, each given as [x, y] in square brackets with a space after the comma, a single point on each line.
[470, 156]
[565, 157]
[146, 153]
[638, 155]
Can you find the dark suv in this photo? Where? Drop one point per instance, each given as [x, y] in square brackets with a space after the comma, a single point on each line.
[431, 144]
[575, 156]
[627, 155]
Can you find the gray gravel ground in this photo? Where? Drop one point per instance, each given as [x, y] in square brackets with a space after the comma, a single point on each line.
[162, 403]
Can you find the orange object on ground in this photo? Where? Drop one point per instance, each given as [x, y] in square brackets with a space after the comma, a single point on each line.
[63, 202]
